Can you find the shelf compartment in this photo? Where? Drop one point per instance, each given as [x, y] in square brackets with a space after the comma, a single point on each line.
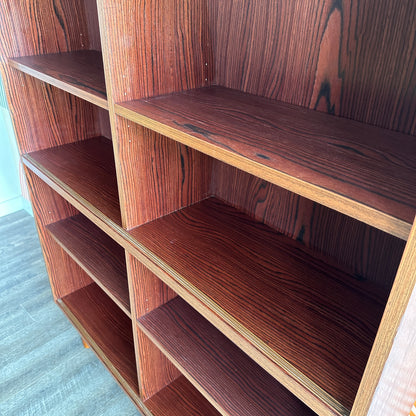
[179, 398]
[107, 330]
[297, 309]
[83, 173]
[97, 254]
[80, 73]
[363, 171]
[233, 382]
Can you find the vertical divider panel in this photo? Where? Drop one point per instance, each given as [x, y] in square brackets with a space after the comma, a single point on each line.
[147, 292]
[162, 175]
[152, 48]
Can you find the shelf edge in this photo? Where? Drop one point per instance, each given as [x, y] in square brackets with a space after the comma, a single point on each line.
[85, 95]
[271, 361]
[85, 207]
[326, 197]
[311, 394]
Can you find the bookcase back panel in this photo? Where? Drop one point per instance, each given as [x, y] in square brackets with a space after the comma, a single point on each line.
[45, 116]
[350, 58]
[48, 207]
[41, 26]
[369, 253]
[104, 123]
[91, 14]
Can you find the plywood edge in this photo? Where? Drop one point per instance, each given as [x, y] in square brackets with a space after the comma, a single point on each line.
[286, 373]
[326, 197]
[85, 95]
[404, 284]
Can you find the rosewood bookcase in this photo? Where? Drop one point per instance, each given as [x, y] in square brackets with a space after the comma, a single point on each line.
[225, 194]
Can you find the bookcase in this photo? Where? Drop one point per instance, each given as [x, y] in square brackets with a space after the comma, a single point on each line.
[224, 192]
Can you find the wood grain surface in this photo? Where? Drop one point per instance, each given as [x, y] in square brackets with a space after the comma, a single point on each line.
[350, 58]
[109, 331]
[91, 15]
[155, 47]
[232, 382]
[87, 169]
[97, 254]
[291, 305]
[368, 252]
[36, 27]
[180, 398]
[150, 48]
[48, 207]
[399, 371]
[80, 73]
[359, 170]
[398, 304]
[159, 176]
[147, 293]
[45, 116]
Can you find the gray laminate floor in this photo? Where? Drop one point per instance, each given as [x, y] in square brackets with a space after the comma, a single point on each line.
[44, 369]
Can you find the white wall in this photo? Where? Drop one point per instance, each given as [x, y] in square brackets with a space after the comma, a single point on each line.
[11, 198]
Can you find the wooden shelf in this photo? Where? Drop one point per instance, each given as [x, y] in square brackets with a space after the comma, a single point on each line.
[84, 171]
[233, 383]
[210, 143]
[80, 73]
[107, 330]
[365, 172]
[98, 254]
[179, 398]
[310, 318]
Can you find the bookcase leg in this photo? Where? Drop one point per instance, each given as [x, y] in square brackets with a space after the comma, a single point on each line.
[85, 343]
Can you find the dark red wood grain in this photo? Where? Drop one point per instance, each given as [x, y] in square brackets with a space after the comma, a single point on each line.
[235, 383]
[148, 292]
[370, 253]
[180, 398]
[350, 58]
[91, 16]
[159, 175]
[79, 72]
[87, 169]
[110, 329]
[355, 59]
[316, 316]
[156, 47]
[98, 254]
[46, 116]
[65, 276]
[35, 27]
[368, 165]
